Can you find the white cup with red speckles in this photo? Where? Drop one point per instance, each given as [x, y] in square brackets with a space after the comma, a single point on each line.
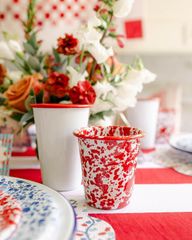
[108, 158]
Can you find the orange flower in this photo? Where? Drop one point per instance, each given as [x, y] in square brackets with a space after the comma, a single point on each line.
[3, 72]
[19, 91]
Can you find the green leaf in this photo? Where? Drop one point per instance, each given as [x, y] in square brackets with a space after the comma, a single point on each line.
[100, 115]
[34, 63]
[56, 55]
[33, 41]
[29, 48]
[27, 117]
[39, 97]
[16, 116]
[29, 101]
[2, 100]
[113, 35]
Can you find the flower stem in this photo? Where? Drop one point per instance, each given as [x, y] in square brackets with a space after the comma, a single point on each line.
[101, 41]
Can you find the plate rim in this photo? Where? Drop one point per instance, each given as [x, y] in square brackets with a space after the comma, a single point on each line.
[176, 136]
[44, 187]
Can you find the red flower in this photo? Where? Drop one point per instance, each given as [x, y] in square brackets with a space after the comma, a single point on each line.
[67, 45]
[83, 93]
[57, 84]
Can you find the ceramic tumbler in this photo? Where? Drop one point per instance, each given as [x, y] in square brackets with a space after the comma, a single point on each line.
[144, 116]
[108, 158]
[57, 147]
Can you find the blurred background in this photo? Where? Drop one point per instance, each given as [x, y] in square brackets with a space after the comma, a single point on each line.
[160, 32]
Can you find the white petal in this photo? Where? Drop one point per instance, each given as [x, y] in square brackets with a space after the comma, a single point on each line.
[5, 51]
[14, 46]
[125, 97]
[75, 76]
[101, 106]
[148, 76]
[14, 75]
[102, 89]
[88, 36]
[137, 78]
[94, 21]
[99, 52]
[122, 8]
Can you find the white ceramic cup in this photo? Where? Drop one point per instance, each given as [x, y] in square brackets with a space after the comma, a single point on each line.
[58, 148]
[144, 116]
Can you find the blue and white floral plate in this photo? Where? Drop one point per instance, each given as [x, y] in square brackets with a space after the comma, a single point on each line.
[45, 215]
[182, 142]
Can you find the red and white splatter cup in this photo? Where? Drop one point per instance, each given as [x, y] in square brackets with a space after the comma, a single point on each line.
[108, 158]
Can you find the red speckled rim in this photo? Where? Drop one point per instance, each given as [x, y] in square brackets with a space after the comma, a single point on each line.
[80, 134]
[59, 105]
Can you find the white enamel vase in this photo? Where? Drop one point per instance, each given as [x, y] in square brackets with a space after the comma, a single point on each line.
[58, 148]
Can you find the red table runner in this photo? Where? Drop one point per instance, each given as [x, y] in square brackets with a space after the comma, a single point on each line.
[143, 175]
[150, 226]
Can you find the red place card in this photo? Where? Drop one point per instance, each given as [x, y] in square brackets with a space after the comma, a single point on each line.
[133, 29]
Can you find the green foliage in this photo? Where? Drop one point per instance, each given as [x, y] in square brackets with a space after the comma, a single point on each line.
[100, 115]
[29, 24]
[16, 116]
[2, 100]
[109, 3]
[34, 63]
[27, 118]
[39, 97]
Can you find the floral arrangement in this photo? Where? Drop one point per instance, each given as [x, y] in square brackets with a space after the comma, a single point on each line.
[81, 69]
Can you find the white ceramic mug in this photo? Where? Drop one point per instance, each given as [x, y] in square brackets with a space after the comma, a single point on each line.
[58, 148]
[144, 116]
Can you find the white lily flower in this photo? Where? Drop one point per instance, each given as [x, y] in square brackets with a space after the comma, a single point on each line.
[8, 49]
[126, 92]
[89, 38]
[101, 106]
[94, 21]
[75, 76]
[122, 8]
[139, 77]
[125, 97]
[5, 51]
[148, 76]
[14, 75]
[14, 46]
[102, 89]
[99, 52]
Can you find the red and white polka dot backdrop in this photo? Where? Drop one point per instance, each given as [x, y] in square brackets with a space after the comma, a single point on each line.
[51, 11]
[53, 16]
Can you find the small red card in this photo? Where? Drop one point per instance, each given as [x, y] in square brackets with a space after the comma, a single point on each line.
[133, 29]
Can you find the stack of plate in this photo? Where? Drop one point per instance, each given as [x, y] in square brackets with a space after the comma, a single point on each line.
[182, 142]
